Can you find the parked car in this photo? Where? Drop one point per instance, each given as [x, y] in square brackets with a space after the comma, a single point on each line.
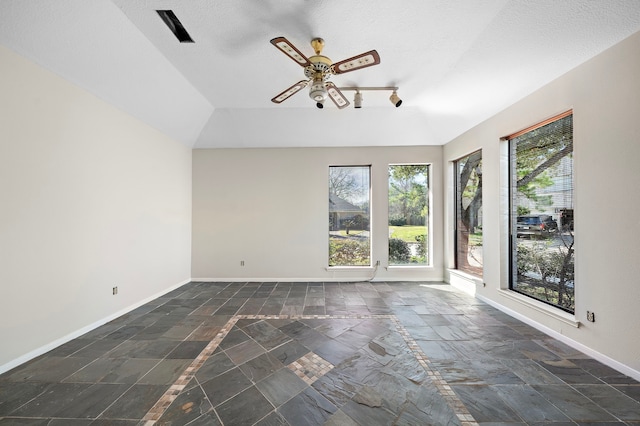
[540, 225]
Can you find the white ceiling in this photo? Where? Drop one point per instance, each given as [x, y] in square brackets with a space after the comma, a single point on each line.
[456, 62]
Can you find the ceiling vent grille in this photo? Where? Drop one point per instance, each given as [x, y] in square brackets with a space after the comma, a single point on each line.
[175, 25]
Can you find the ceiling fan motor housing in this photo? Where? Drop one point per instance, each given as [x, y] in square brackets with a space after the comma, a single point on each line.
[318, 91]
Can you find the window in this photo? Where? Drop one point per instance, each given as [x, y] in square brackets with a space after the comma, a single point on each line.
[349, 237]
[468, 211]
[541, 212]
[408, 214]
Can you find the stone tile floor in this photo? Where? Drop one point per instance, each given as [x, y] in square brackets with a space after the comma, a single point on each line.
[312, 354]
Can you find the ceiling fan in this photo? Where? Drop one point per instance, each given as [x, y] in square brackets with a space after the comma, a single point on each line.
[318, 69]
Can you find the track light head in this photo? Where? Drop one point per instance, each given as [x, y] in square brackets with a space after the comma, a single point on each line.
[395, 99]
[357, 100]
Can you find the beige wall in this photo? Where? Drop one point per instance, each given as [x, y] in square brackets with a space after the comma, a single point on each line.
[91, 199]
[605, 96]
[269, 207]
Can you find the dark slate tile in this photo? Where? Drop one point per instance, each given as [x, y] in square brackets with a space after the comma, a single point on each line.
[247, 408]
[125, 332]
[335, 352]
[203, 333]
[281, 386]
[370, 416]
[152, 332]
[135, 402]
[225, 386]
[261, 367]
[234, 337]
[187, 350]
[425, 406]
[207, 419]
[289, 352]
[47, 369]
[166, 372]
[615, 402]
[153, 349]
[113, 370]
[314, 310]
[337, 387]
[529, 404]
[485, 404]
[15, 394]
[632, 391]
[495, 372]
[604, 372]
[295, 329]
[100, 348]
[188, 406]
[273, 419]
[70, 347]
[12, 421]
[307, 408]
[458, 372]
[266, 335]
[72, 400]
[438, 350]
[217, 364]
[568, 372]
[531, 372]
[245, 351]
[360, 367]
[575, 405]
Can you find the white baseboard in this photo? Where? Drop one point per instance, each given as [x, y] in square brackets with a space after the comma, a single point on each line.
[624, 369]
[74, 335]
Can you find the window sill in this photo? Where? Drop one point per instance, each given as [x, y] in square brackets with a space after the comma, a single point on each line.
[541, 307]
[408, 267]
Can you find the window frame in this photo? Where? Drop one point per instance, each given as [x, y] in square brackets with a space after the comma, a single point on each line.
[369, 167]
[428, 219]
[511, 196]
[456, 211]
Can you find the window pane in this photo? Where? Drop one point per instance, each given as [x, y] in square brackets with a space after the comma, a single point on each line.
[468, 177]
[542, 231]
[408, 214]
[349, 240]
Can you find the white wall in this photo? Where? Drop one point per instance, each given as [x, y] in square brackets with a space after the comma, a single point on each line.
[269, 207]
[605, 96]
[91, 199]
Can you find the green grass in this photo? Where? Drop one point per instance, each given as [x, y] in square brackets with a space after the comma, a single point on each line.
[407, 233]
[475, 239]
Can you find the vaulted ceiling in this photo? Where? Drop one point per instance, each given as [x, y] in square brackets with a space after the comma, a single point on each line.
[456, 62]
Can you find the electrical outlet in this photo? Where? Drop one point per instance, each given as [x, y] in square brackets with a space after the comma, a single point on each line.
[377, 263]
[242, 263]
[115, 290]
[591, 316]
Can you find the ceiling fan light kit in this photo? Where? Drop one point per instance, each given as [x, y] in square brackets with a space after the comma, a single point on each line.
[357, 99]
[318, 68]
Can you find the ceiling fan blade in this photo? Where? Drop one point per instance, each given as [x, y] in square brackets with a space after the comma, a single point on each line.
[286, 94]
[336, 96]
[363, 60]
[291, 51]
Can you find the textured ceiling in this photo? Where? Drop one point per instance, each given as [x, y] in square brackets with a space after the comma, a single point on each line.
[456, 62]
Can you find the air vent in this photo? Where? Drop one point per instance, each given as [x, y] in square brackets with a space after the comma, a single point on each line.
[175, 25]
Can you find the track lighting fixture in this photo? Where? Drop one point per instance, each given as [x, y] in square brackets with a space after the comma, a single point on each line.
[395, 99]
[357, 99]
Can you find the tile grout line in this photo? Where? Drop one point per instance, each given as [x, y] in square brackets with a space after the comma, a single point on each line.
[163, 403]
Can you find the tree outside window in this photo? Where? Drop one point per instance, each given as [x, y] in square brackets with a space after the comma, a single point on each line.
[542, 211]
[349, 216]
[408, 214]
